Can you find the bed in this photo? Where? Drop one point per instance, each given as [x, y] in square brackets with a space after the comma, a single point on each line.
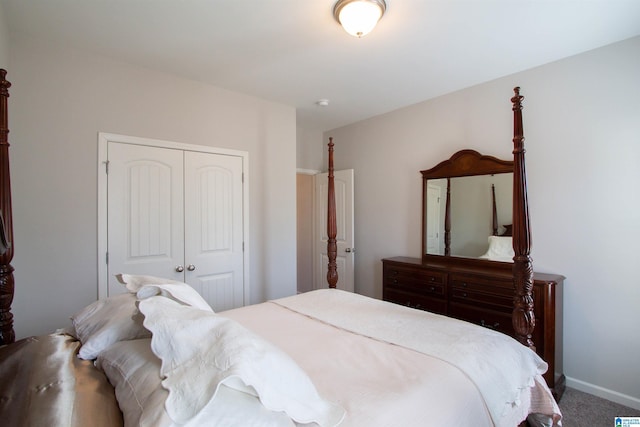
[157, 355]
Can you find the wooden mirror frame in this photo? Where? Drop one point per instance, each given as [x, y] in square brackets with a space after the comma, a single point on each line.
[461, 164]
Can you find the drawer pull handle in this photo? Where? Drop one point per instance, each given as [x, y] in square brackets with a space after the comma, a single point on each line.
[433, 279]
[464, 284]
[486, 325]
[464, 295]
[432, 289]
[395, 281]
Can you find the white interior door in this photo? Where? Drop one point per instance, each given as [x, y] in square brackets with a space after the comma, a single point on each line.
[145, 212]
[343, 181]
[213, 228]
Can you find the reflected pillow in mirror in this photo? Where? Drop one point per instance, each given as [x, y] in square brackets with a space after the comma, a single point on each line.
[500, 249]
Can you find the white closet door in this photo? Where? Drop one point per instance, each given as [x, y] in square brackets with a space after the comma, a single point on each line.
[214, 229]
[145, 212]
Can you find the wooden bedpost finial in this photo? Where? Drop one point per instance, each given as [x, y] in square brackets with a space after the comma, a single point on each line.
[4, 84]
[518, 132]
[332, 228]
[524, 320]
[4, 94]
[517, 98]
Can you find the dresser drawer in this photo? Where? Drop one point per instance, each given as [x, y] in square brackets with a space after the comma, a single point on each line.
[420, 280]
[471, 296]
[477, 290]
[494, 285]
[413, 300]
[496, 320]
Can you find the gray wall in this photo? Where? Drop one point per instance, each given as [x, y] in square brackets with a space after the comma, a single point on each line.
[4, 40]
[581, 121]
[60, 100]
[309, 150]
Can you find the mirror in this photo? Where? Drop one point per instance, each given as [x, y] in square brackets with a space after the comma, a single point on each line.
[471, 213]
[5, 244]
[467, 207]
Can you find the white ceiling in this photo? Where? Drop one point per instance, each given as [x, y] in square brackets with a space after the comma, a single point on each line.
[294, 52]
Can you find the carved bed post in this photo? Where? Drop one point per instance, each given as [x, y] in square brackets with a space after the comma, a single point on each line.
[494, 211]
[523, 317]
[7, 334]
[447, 220]
[332, 247]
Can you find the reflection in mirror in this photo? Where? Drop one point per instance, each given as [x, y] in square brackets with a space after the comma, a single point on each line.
[471, 214]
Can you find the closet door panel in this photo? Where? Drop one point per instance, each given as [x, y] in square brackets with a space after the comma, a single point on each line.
[213, 228]
[219, 290]
[145, 212]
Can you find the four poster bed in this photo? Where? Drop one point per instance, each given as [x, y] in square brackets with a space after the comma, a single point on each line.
[157, 355]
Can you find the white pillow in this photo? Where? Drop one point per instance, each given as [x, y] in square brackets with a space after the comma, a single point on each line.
[134, 371]
[107, 321]
[500, 249]
[117, 318]
[148, 286]
[133, 282]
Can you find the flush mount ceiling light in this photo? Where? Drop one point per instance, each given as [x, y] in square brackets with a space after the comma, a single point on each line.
[359, 17]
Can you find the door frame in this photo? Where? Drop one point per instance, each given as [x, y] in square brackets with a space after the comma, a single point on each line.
[103, 156]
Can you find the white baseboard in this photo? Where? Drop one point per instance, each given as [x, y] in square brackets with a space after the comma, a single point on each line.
[614, 396]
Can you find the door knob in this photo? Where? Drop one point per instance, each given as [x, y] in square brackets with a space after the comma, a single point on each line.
[191, 267]
[179, 269]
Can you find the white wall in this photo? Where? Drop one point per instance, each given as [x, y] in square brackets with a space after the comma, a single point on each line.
[4, 40]
[309, 150]
[582, 124]
[60, 100]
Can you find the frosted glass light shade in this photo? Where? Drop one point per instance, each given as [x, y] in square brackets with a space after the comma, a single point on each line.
[359, 17]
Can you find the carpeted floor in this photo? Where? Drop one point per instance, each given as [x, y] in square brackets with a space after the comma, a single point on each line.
[585, 410]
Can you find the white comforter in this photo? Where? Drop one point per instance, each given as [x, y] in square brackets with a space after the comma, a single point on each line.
[438, 371]
[500, 367]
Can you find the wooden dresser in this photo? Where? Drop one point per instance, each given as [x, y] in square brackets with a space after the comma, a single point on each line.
[480, 292]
